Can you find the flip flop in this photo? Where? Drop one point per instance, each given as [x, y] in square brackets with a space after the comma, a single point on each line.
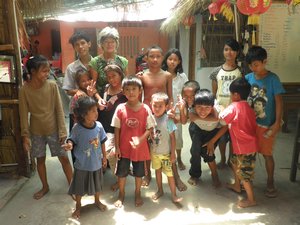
[271, 193]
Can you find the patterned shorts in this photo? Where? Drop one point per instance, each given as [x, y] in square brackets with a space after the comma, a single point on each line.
[39, 143]
[160, 161]
[245, 165]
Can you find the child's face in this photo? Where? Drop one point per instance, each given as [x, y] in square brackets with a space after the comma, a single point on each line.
[84, 81]
[91, 116]
[203, 110]
[158, 106]
[229, 54]
[113, 78]
[172, 62]
[132, 92]
[258, 67]
[82, 47]
[188, 95]
[42, 73]
[154, 58]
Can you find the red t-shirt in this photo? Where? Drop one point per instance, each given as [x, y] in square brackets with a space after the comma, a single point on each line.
[241, 121]
[133, 124]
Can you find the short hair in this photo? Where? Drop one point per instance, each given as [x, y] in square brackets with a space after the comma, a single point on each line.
[160, 96]
[179, 67]
[83, 106]
[112, 65]
[204, 97]
[132, 80]
[260, 99]
[256, 53]
[108, 32]
[156, 47]
[191, 84]
[79, 73]
[34, 63]
[78, 36]
[240, 86]
[233, 44]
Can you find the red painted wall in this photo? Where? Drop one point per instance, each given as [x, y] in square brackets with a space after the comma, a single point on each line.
[148, 34]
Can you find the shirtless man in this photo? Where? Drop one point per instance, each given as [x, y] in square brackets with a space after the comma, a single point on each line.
[155, 80]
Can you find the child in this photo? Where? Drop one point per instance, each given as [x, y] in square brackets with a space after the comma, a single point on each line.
[40, 99]
[155, 80]
[204, 136]
[269, 121]
[221, 78]
[113, 96]
[173, 64]
[242, 128]
[163, 145]
[133, 122]
[81, 44]
[87, 141]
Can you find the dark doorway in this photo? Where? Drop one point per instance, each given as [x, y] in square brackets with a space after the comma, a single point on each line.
[56, 46]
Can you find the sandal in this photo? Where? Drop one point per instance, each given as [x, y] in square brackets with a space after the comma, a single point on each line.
[271, 193]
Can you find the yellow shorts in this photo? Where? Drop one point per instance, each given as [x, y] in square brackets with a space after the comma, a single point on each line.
[265, 144]
[163, 162]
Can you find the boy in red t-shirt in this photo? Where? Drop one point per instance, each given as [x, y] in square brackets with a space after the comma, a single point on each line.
[242, 128]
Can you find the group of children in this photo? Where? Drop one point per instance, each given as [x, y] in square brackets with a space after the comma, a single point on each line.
[140, 123]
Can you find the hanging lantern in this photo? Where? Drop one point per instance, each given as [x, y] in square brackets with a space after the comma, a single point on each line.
[213, 10]
[188, 21]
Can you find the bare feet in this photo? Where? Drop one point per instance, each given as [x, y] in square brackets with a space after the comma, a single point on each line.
[193, 181]
[146, 181]
[222, 165]
[181, 166]
[76, 213]
[245, 203]
[101, 206]
[114, 187]
[138, 201]
[233, 187]
[157, 195]
[179, 184]
[216, 182]
[38, 195]
[176, 199]
[119, 202]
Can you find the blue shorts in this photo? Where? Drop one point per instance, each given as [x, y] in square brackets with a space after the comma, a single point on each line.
[123, 167]
[39, 142]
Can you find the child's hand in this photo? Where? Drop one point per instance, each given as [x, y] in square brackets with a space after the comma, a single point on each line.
[118, 154]
[181, 104]
[135, 142]
[67, 146]
[173, 157]
[104, 162]
[26, 143]
[101, 104]
[210, 148]
[62, 140]
[171, 113]
[91, 89]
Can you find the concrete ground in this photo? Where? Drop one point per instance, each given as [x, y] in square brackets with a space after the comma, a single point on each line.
[201, 205]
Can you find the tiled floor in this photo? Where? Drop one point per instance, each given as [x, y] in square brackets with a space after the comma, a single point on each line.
[201, 205]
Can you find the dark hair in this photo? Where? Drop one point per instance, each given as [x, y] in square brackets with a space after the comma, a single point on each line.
[260, 99]
[204, 97]
[160, 96]
[233, 44]
[112, 65]
[78, 36]
[175, 51]
[34, 63]
[256, 53]
[83, 106]
[79, 73]
[132, 80]
[240, 86]
[191, 84]
[154, 47]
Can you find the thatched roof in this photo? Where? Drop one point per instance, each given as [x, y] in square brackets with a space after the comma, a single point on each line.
[45, 9]
[182, 10]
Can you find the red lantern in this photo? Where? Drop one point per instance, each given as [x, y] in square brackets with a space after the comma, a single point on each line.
[249, 7]
[188, 21]
[213, 10]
